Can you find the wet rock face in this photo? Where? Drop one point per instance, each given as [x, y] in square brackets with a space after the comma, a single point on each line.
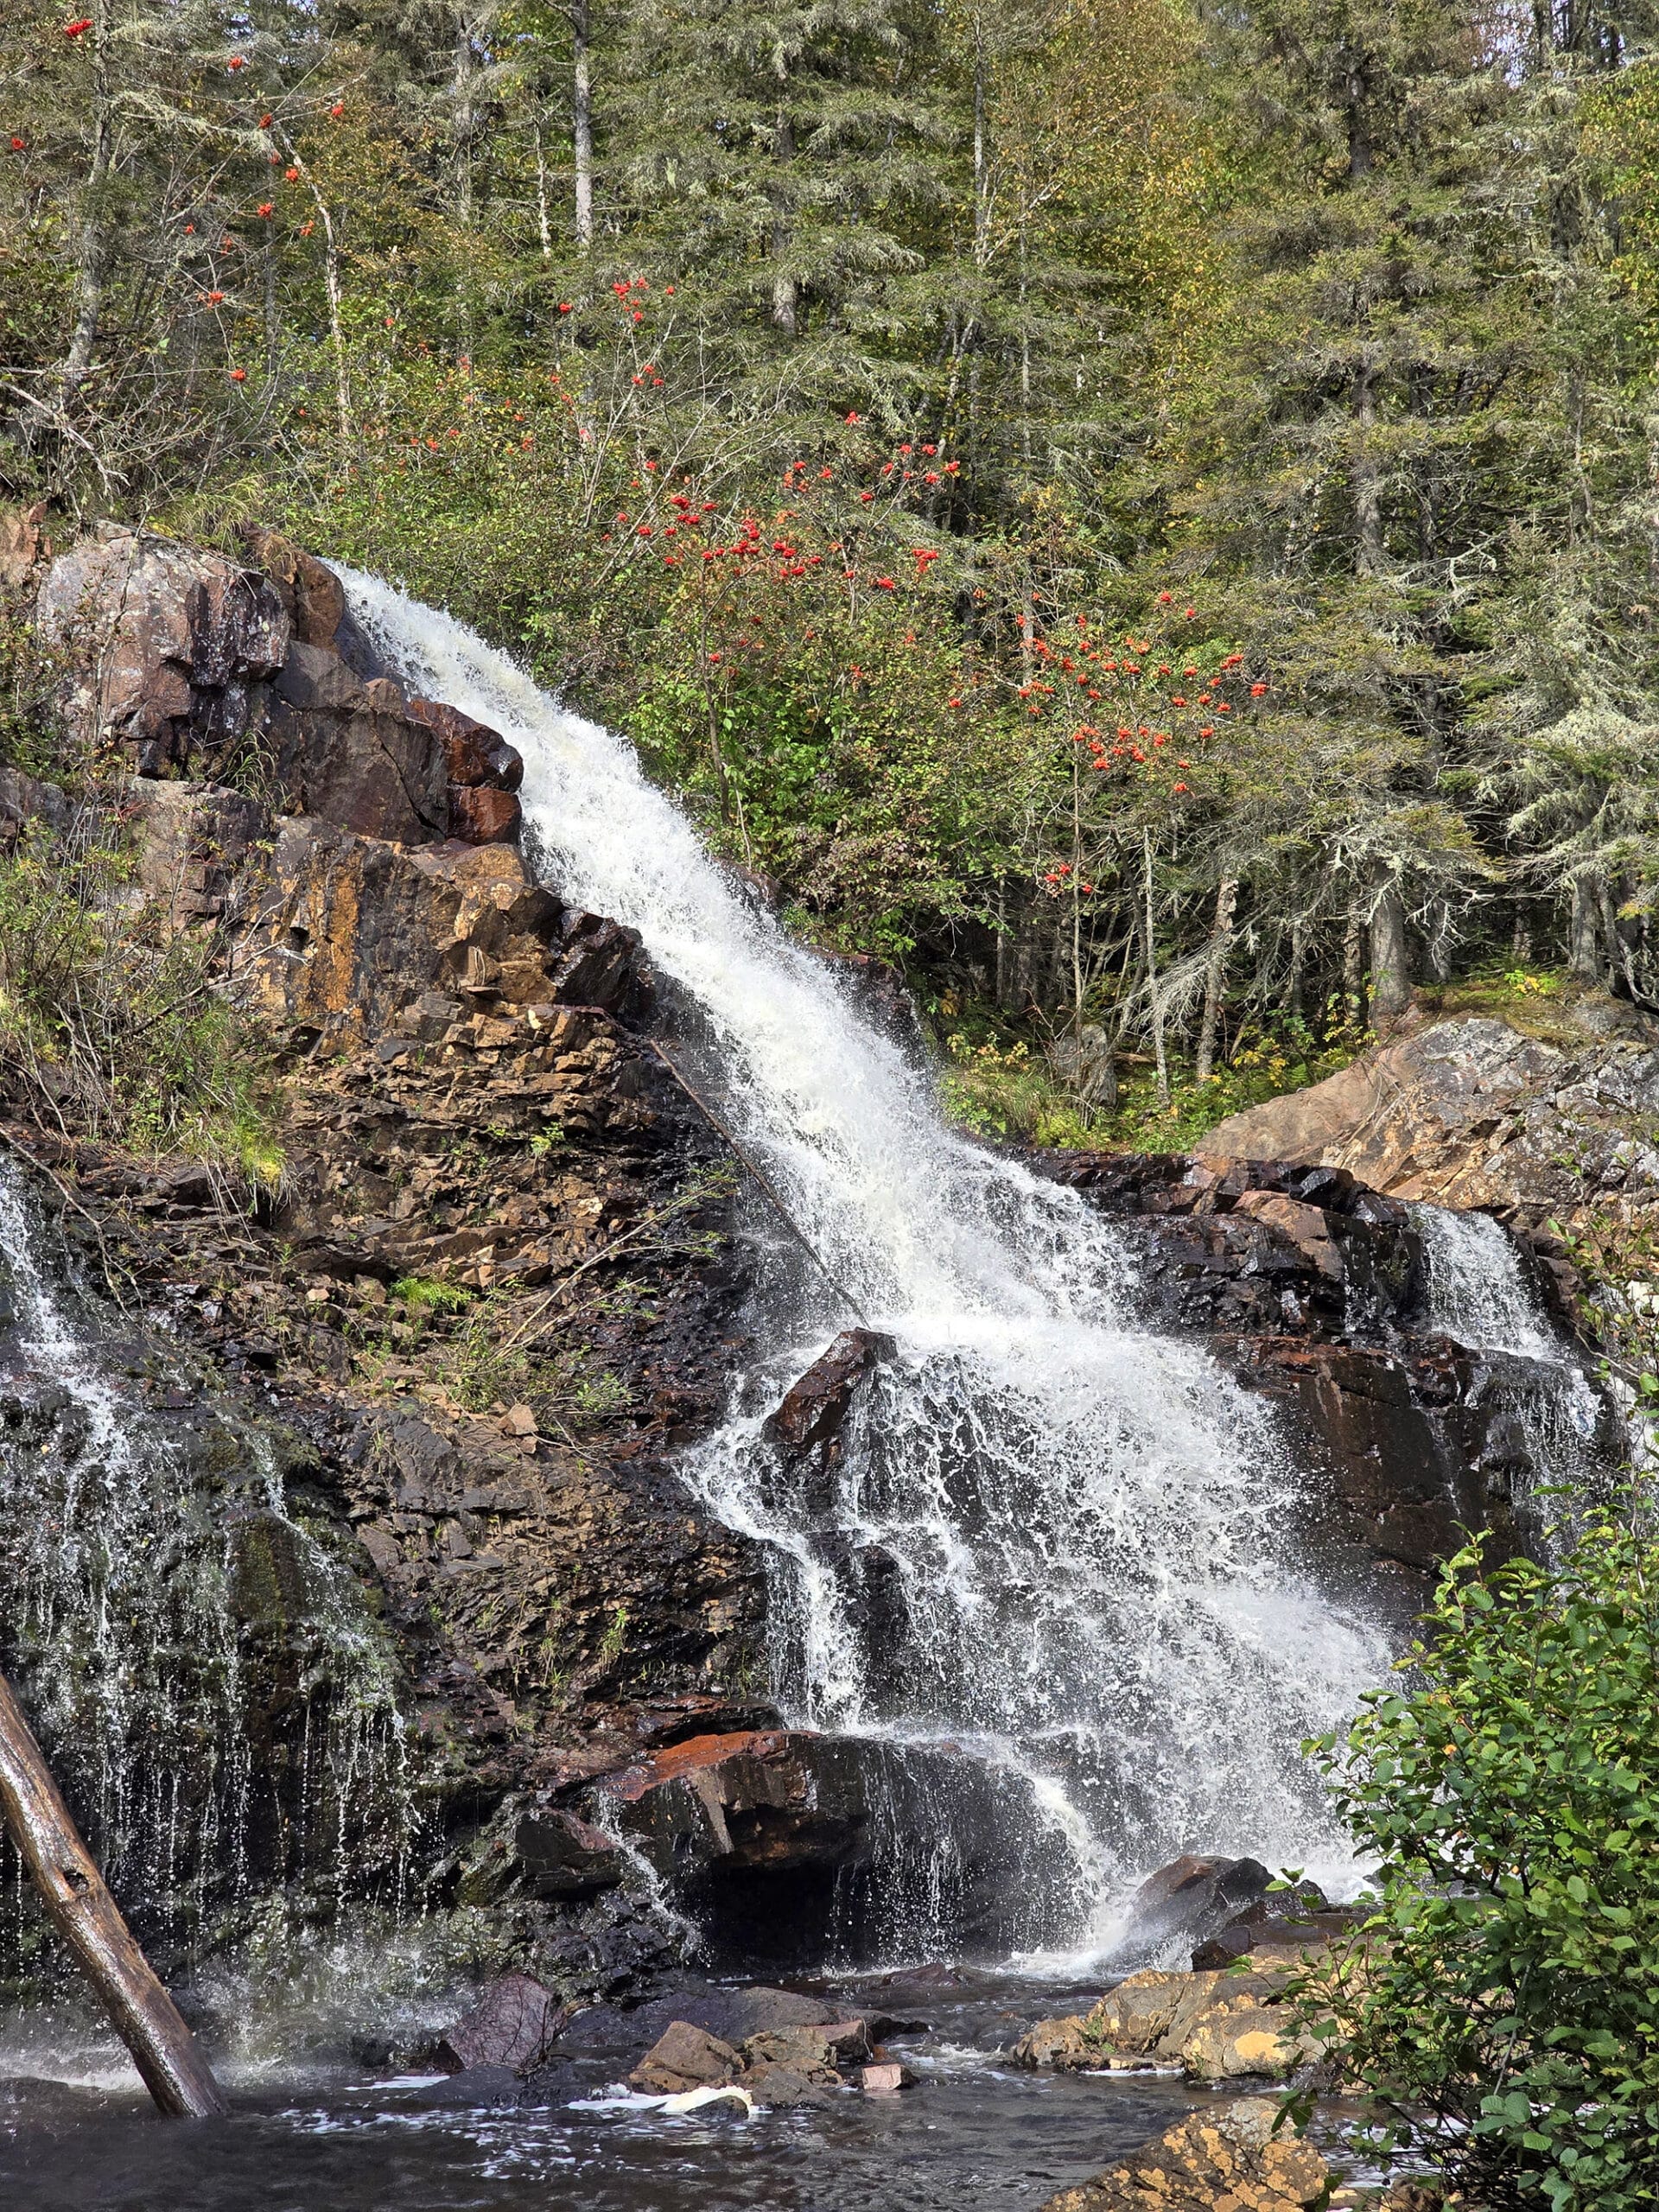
[187, 663]
[1312, 1287]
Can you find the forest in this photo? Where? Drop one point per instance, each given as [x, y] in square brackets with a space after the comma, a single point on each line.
[1143, 515]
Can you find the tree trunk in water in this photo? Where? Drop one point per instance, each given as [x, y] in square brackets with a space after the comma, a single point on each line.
[1215, 975]
[1390, 969]
[1584, 932]
[89, 1920]
[582, 125]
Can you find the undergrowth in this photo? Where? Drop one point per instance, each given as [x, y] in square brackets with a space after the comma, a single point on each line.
[998, 1086]
[111, 1027]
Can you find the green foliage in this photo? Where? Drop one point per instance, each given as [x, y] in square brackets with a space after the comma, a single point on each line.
[1335, 324]
[1504, 2005]
[420, 1295]
[117, 1030]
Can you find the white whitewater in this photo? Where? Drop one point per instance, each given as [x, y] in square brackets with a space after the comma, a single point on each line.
[1057, 1543]
[1480, 1296]
[1478, 1293]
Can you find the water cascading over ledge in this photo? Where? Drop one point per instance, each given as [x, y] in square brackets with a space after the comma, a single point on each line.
[1057, 1561]
[194, 1653]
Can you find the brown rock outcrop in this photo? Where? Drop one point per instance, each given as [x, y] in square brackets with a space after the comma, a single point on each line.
[1231, 2158]
[185, 663]
[1471, 1112]
[169, 645]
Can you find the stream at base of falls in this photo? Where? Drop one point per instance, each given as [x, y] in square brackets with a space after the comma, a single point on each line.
[974, 2132]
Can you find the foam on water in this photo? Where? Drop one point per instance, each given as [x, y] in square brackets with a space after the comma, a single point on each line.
[1057, 1541]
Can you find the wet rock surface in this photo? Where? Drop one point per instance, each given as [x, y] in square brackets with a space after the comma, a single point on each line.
[1233, 2158]
[1312, 1287]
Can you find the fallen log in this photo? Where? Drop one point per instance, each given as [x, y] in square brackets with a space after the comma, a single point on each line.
[89, 1920]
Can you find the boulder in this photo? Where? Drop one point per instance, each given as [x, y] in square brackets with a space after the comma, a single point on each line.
[1060, 2044]
[886, 2077]
[565, 1857]
[1256, 2039]
[805, 1428]
[834, 2043]
[685, 2057]
[1472, 1112]
[1188, 1900]
[1213, 2159]
[1136, 2015]
[815, 1409]
[778, 2086]
[512, 2025]
[1211, 1997]
[167, 647]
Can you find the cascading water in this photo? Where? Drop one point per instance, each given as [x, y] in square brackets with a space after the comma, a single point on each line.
[1480, 1296]
[192, 1657]
[1056, 1549]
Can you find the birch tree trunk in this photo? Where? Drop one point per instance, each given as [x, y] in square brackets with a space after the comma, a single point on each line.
[581, 123]
[1221, 937]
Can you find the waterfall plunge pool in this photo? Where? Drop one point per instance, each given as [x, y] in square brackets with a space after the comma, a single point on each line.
[78, 2133]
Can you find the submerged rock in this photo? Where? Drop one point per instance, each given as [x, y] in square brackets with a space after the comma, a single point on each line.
[1213, 2159]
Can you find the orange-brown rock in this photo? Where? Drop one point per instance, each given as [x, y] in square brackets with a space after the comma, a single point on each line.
[1472, 1112]
[1225, 2160]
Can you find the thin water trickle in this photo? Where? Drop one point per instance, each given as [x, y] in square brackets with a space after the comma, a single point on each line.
[1052, 1535]
[212, 1742]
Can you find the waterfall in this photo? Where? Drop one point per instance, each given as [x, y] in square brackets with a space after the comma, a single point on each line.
[222, 1717]
[1059, 1547]
[1480, 1296]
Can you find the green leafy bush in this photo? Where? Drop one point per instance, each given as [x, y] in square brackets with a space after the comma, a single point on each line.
[116, 1029]
[1504, 2007]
